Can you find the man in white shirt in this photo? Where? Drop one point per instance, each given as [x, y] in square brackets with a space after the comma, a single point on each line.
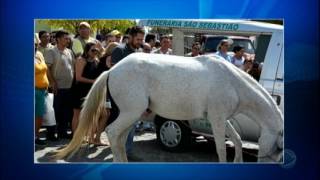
[60, 61]
[165, 46]
[238, 58]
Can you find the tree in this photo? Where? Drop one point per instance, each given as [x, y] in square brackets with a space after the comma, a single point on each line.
[96, 25]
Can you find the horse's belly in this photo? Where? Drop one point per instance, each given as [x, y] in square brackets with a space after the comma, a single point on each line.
[178, 106]
[179, 114]
[181, 96]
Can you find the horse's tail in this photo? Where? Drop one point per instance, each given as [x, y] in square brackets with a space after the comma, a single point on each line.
[88, 121]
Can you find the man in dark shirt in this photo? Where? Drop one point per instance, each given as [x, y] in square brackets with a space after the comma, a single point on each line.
[151, 40]
[136, 35]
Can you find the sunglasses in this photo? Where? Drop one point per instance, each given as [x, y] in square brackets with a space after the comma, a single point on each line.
[94, 50]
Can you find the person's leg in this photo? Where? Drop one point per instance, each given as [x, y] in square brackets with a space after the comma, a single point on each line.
[129, 143]
[149, 126]
[65, 111]
[39, 112]
[58, 106]
[75, 119]
[101, 127]
[69, 109]
[51, 131]
[38, 141]
[38, 125]
[38, 120]
[139, 126]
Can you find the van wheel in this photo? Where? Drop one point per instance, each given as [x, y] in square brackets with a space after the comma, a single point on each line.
[173, 135]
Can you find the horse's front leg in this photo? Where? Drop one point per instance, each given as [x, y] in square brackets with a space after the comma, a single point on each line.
[236, 139]
[218, 125]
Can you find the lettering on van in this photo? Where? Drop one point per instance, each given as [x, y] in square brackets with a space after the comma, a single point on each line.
[193, 24]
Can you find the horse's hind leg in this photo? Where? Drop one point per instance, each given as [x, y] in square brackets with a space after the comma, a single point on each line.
[218, 124]
[118, 132]
[236, 139]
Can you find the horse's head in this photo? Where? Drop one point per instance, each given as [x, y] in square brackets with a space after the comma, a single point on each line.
[278, 154]
[275, 152]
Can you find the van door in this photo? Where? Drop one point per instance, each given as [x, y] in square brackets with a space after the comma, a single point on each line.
[278, 89]
[273, 66]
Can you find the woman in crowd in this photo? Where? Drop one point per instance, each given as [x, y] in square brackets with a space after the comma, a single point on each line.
[247, 65]
[87, 70]
[105, 60]
[41, 86]
[222, 49]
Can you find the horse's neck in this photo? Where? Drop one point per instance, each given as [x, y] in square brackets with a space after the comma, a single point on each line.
[263, 110]
[265, 113]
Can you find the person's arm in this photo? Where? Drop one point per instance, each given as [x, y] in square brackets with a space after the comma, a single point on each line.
[99, 46]
[156, 51]
[49, 58]
[109, 62]
[77, 47]
[80, 64]
[52, 81]
[73, 62]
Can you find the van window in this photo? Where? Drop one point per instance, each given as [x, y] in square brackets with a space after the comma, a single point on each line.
[188, 41]
[246, 43]
[262, 47]
[211, 44]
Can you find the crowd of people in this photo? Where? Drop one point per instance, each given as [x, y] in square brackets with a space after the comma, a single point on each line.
[240, 59]
[68, 67]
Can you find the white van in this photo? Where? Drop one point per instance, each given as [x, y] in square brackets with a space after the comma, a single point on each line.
[268, 42]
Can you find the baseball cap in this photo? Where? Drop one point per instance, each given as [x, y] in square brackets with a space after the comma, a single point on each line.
[115, 33]
[85, 24]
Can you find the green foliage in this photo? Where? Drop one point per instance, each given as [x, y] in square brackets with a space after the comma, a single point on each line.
[96, 25]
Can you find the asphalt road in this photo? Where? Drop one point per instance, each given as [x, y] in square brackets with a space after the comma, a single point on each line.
[145, 147]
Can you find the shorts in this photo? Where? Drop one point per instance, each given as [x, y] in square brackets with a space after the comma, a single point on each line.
[40, 104]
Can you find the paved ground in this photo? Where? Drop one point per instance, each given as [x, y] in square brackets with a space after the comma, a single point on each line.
[145, 147]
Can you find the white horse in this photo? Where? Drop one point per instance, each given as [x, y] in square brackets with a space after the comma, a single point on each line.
[181, 88]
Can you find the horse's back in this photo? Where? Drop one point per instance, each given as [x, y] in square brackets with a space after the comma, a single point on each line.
[176, 87]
